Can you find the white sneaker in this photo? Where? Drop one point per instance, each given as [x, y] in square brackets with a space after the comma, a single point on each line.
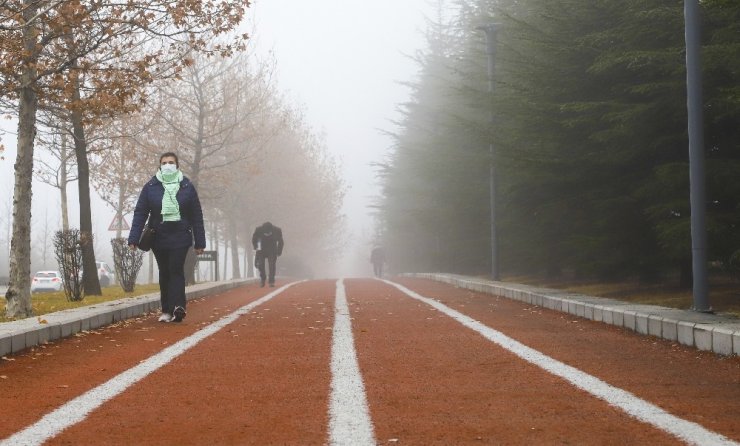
[165, 317]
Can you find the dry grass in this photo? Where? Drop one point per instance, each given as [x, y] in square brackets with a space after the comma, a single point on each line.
[724, 294]
[43, 303]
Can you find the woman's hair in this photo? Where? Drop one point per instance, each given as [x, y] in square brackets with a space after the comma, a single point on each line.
[170, 154]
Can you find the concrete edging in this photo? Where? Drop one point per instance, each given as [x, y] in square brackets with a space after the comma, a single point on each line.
[22, 334]
[710, 332]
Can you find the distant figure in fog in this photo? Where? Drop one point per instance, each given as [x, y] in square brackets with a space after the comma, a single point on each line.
[377, 257]
[267, 242]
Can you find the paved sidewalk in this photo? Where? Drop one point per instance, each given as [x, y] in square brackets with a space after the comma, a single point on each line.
[19, 335]
[711, 332]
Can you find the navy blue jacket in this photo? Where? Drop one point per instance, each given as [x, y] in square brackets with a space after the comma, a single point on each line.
[170, 234]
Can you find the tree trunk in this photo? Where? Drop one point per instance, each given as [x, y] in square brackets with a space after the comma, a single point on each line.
[90, 281]
[234, 251]
[18, 295]
[250, 260]
[151, 267]
[121, 195]
[45, 245]
[191, 260]
[226, 259]
[63, 182]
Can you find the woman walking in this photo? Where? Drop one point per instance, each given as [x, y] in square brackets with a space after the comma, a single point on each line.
[170, 202]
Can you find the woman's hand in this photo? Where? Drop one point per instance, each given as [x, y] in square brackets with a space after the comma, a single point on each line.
[199, 251]
[132, 247]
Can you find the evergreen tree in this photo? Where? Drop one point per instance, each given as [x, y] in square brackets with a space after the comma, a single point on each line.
[589, 131]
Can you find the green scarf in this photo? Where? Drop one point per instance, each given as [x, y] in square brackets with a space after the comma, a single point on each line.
[171, 183]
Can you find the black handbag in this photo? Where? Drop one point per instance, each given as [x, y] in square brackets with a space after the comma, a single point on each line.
[147, 238]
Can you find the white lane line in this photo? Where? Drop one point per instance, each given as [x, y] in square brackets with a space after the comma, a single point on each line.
[77, 409]
[688, 431]
[349, 416]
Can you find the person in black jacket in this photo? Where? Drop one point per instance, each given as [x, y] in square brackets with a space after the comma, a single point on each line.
[267, 241]
[170, 202]
[377, 258]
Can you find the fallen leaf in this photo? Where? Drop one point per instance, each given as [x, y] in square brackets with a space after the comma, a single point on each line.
[62, 386]
[3, 377]
[42, 321]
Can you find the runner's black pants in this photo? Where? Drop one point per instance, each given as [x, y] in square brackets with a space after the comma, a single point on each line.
[171, 264]
[260, 263]
[378, 269]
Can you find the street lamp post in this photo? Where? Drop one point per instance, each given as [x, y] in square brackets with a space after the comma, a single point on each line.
[491, 29]
[696, 156]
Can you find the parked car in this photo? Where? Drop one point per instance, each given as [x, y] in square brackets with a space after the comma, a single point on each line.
[46, 281]
[106, 275]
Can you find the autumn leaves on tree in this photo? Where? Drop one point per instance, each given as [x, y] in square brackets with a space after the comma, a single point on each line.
[115, 82]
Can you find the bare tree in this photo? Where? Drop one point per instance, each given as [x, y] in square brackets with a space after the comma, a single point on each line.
[208, 112]
[50, 51]
[120, 166]
[44, 241]
[215, 117]
[64, 169]
[297, 187]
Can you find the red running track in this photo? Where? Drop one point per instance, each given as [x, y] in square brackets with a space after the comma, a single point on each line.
[391, 369]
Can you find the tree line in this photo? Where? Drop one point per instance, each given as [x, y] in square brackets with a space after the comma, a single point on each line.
[588, 123]
[103, 88]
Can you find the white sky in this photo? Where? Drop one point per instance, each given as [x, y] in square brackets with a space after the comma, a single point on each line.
[340, 60]
[343, 60]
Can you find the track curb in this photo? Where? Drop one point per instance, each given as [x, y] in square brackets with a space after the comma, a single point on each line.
[22, 334]
[710, 332]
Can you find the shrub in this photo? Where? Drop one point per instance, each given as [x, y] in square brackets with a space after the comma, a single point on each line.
[127, 263]
[68, 251]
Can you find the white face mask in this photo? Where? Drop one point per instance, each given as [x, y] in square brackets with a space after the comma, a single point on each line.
[168, 168]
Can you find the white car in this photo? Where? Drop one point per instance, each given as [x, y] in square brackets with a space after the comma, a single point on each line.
[105, 274]
[46, 281]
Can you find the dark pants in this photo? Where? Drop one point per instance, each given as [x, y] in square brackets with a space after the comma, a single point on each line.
[378, 269]
[171, 263]
[260, 263]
